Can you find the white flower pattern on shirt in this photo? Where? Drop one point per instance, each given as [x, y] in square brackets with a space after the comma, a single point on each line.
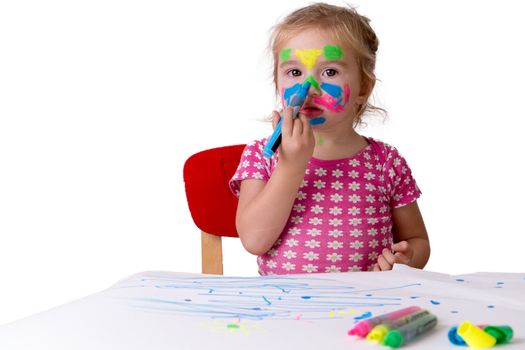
[341, 218]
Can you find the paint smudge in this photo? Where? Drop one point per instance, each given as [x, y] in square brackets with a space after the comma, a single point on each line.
[333, 99]
[363, 316]
[286, 54]
[333, 52]
[435, 302]
[308, 57]
[460, 280]
[317, 121]
[288, 93]
[490, 306]
[313, 82]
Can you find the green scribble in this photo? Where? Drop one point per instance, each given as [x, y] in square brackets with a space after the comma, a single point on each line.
[286, 54]
[320, 141]
[312, 81]
[333, 52]
[233, 325]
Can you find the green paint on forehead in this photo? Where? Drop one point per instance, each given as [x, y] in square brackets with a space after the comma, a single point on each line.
[312, 81]
[286, 54]
[333, 52]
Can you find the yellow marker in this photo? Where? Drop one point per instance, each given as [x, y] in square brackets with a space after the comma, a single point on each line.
[475, 337]
[309, 56]
[378, 333]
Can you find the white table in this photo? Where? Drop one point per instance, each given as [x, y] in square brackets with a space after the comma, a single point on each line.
[167, 310]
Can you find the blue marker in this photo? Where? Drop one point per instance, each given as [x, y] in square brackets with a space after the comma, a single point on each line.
[297, 101]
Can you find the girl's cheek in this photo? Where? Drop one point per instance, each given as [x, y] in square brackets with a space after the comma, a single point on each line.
[334, 97]
[287, 93]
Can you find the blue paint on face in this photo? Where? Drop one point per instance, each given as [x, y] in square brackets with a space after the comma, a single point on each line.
[290, 92]
[334, 91]
[317, 121]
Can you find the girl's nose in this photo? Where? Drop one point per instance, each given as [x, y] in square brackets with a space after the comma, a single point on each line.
[314, 86]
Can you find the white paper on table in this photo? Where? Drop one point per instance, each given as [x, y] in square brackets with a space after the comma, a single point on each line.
[167, 310]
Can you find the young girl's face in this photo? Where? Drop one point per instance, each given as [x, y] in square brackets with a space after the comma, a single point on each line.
[332, 71]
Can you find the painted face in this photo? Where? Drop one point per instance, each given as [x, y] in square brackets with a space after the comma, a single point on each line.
[331, 74]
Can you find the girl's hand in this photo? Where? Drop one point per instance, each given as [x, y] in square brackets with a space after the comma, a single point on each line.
[403, 253]
[297, 139]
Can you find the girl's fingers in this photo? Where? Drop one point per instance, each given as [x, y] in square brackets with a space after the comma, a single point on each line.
[389, 256]
[297, 127]
[383, 264]
[275, 119]
[400, 246]
[401, 258]
[307, 128]
[287, 126]
[376, 268]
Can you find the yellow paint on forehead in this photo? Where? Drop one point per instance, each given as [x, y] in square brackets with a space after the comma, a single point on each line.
[309, 56]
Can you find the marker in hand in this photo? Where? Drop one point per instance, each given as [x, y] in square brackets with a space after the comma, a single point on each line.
[297, 102]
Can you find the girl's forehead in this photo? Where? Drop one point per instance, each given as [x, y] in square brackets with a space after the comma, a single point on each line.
[312, 45]
[310, 39]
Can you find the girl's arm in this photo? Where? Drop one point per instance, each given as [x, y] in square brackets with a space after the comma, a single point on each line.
[264, 208]
[411, 245]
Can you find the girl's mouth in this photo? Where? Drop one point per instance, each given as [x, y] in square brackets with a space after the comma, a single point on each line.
[311, 111]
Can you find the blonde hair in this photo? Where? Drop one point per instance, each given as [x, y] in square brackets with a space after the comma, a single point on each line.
[345, 25]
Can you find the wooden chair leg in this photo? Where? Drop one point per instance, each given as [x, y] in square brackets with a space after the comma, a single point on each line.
[211, 254]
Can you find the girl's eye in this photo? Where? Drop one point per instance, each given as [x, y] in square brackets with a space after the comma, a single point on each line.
[294, 73]
[330, 72]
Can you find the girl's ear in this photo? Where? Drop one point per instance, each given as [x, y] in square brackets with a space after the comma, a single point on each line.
[367, 85]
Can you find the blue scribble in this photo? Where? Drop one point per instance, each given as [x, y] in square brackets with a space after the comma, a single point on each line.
[259, 298]
[363, 316]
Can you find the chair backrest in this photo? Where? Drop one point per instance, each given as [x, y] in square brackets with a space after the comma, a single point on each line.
[212, 205]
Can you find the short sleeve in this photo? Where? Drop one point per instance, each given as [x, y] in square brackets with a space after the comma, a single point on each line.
[402, 185]
[253, 165]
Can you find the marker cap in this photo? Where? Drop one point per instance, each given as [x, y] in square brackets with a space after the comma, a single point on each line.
[378, 333]
[455, 338]
[503, 334]
[361, 329]
[474, 336]
[394, 339]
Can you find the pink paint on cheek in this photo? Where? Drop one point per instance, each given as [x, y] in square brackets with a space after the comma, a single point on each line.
[347, 93]
[329, 102]
[334, 104]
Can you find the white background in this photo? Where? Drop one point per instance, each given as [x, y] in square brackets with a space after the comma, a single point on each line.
[101, 102]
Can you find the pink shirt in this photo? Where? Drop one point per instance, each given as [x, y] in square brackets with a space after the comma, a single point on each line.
[341, 218]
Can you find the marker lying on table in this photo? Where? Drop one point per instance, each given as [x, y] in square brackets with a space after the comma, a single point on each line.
[502, 334]
[379, 332]
[297, 101]
[364, 327]
[404, 334]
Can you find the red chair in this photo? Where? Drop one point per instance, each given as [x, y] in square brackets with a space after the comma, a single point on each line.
[212, 205]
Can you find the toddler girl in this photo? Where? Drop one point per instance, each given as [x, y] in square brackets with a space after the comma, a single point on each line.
[329, 199]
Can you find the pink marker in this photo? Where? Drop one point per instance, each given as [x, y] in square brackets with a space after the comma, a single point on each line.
[363, 327]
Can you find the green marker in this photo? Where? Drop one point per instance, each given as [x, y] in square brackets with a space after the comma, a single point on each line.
[379, 332]
[503, 334]
[404, 334]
